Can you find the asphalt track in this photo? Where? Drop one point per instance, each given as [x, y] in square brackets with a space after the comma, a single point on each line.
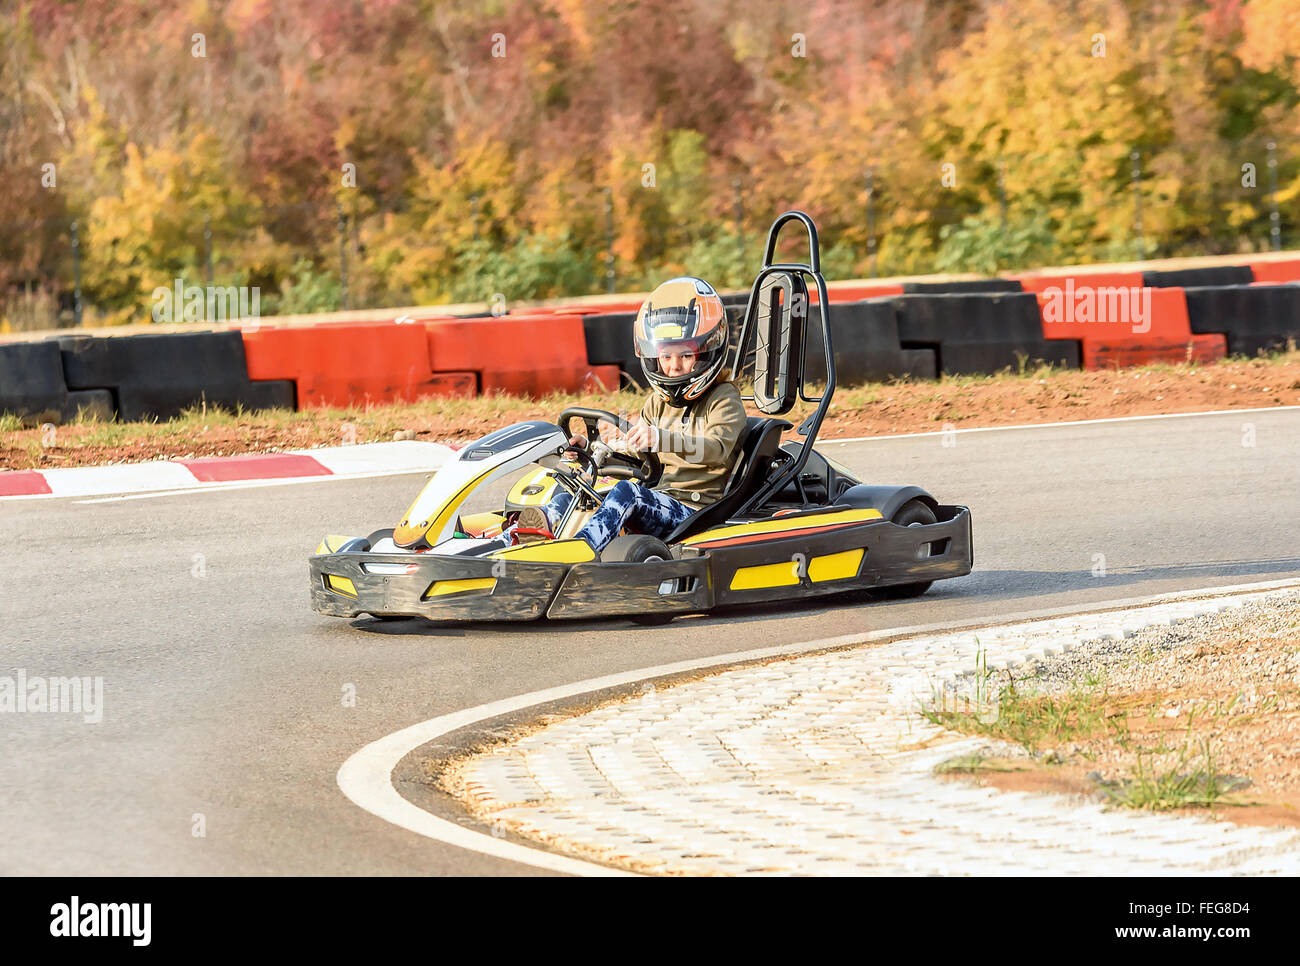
[224, 692]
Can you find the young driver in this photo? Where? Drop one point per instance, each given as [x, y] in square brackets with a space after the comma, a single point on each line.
[693, 419]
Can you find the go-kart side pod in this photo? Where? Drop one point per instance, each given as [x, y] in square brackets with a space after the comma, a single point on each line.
[656, 587]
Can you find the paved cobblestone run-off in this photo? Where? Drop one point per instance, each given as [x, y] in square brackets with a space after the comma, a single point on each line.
[820, 765]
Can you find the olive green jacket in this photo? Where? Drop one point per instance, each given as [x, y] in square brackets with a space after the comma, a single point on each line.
[698, 445]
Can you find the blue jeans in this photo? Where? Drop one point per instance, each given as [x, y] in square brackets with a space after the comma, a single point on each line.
[627, 503]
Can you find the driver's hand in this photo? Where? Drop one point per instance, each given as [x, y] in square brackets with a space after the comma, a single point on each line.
[576, 443]
[643, 437]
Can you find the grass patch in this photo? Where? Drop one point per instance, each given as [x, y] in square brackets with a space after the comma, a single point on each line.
[1033, 721]
[1170, 771]
[1194, 783]
[974, 764]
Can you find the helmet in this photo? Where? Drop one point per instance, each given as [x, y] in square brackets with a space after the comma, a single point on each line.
[683, 315]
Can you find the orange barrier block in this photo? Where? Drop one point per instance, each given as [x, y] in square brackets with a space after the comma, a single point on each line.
[461, 385]
[1115, 313]
[584, 309]
[861, 290]
[1140, 351]
[602, 379]
[1287, 271]
[398, 320]
[350, 365]
[1080, 278]
[854, 293]
[518, 355]
[1119, 323]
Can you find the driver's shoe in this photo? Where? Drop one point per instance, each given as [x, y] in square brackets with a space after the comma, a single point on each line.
[532, 525]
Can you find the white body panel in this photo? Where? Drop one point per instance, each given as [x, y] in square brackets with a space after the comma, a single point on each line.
[491, 458]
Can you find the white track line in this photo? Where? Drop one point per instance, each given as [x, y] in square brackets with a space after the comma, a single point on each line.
[1076, 422]
[367, 777]
[245, 485]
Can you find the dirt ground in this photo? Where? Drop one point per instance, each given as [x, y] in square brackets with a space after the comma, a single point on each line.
[1234, 693]
[1043, 396]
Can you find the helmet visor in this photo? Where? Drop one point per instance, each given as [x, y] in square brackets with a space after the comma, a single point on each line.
[666, 339]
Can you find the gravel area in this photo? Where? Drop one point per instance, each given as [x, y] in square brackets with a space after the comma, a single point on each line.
[1230, 679]
[1221, 650]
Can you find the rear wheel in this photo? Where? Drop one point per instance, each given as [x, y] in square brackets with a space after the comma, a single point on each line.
[913, 513]
[638, 548]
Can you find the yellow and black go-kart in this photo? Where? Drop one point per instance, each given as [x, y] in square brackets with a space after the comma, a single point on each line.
[791, 523]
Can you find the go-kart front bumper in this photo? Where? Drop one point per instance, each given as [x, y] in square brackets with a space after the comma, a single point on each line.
[469, 588]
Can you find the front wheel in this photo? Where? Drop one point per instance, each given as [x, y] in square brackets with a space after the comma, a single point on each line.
[635, 548]
[913, 513]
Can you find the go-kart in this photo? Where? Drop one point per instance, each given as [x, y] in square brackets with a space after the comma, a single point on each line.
[791, 523]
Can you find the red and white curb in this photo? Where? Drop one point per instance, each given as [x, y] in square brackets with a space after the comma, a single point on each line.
[175, 476]
[817, 766]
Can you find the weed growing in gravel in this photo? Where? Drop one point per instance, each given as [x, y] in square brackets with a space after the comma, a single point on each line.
[1194, 783]
[972, 764]
[1031, 720]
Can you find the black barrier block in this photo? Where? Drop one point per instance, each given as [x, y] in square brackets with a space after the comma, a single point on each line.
[975, 358]
[609, 342]
[95, 402]
[31, 379]
[979, 286]
[1188, 277]
[865, 338]
[997, 318]
[1254, 318]
[158, 376]
[272, 394]
[920, 363]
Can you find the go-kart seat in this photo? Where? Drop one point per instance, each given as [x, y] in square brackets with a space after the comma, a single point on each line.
[759, 445]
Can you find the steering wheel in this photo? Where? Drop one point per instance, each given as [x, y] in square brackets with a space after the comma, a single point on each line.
[643, 467]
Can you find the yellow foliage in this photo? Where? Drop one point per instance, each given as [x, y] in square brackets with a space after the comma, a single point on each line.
[1271, 35]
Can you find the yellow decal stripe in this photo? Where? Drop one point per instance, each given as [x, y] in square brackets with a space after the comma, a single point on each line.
[835, 566]
[774, 525]
[441, 587]
[783, 574]
[331, 542]
[831, 566]
[340, 585]
[550, 551]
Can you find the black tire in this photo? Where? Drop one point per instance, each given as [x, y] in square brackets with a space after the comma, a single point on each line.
[635, 548]
[638, 548]
[651, 620]
[378, 535]
[913, 513]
